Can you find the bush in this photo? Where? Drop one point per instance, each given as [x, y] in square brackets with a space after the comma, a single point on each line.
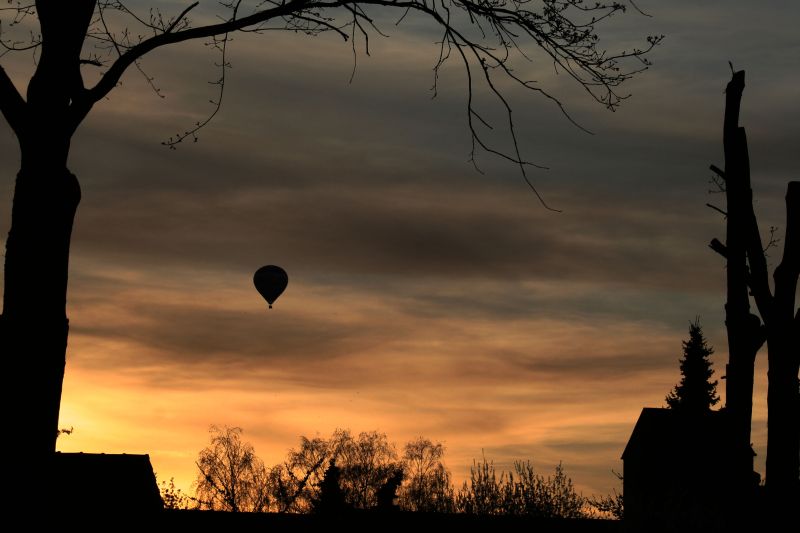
[521, 492]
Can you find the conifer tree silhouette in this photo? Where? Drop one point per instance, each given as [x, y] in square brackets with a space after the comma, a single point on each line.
[331, 499]
[695, 393]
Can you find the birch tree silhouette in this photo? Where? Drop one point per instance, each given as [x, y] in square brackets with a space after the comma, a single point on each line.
[230, 476]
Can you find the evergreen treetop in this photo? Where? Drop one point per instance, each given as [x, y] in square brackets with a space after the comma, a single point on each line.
[695, 392]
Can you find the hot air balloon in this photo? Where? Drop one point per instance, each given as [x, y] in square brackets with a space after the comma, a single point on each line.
[270, 281]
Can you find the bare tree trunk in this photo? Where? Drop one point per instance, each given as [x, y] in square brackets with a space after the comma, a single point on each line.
[34, 324]
[747, 275]
[783, 341]
[745, 332]
[33, 329]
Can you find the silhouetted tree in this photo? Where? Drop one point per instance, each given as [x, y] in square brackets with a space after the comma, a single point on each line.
[367, 462]
[294, 483]
[695, 393]
[779, 321]
[528, 493]
[330, 498]
[69, 37]
[230, 477]
[364, 464]
[612, 505]
[386, 495]
[427, 486]
[342, 473]
[521, 492]
[484, 494]
[173, 497]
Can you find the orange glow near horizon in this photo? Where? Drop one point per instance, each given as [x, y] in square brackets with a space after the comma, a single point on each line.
[480, 386]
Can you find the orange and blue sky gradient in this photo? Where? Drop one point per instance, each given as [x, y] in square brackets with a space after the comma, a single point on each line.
[424, 297]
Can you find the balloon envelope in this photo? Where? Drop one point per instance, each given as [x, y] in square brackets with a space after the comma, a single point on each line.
[270, 281]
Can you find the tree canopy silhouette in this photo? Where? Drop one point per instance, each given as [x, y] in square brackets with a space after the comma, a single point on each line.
[330, 497]
[230, 476]
[346, 473]
[428, 486]
[364, 463]
[695, 393]
[520, 492]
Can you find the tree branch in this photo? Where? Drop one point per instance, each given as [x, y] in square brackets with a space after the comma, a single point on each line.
[718, 171]
[787, 273]
[758, 275]
[718, 247]
[12, 104]
[489, 41]
[715, 208]
[572, 46]
[222, 45]
[180, 17]
[114, 73]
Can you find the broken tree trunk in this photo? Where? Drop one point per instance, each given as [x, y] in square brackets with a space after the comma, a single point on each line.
[747, 275]
[745, 332]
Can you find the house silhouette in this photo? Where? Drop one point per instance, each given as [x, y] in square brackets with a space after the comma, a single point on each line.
[683, 472]
[94, 484]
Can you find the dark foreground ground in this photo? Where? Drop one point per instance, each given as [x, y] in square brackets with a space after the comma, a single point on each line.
[374, 523]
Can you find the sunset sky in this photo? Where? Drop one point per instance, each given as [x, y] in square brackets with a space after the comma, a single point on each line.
[424, 297]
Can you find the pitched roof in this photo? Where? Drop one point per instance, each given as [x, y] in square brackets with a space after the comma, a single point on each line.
[660, 430]
[105, 482]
